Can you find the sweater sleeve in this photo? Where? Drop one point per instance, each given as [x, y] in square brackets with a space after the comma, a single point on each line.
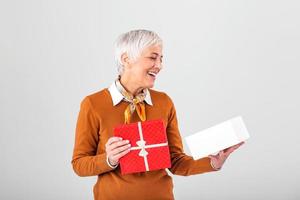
[182, 164]
[85, 162]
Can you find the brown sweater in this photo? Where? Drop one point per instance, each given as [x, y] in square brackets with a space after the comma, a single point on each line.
[96, 120]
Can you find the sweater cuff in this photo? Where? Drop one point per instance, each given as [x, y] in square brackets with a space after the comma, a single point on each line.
[111, 166]
[212, 165]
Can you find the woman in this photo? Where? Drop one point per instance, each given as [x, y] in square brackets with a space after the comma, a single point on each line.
[129, 99]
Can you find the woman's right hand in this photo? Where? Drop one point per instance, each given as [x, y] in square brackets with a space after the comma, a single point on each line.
[116, 148]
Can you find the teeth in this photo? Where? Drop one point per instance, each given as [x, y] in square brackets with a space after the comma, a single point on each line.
[152, 73]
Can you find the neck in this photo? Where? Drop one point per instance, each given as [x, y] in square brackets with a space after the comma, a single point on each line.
[130, 86]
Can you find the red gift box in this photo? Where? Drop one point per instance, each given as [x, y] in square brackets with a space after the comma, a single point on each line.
[149, 146]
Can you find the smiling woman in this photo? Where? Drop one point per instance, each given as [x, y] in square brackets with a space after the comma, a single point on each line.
[130, 99]
[142, 71]
[139, 63]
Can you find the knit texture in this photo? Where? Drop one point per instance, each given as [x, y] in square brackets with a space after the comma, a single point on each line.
[96, 120]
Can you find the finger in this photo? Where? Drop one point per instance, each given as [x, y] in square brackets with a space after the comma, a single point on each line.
[238, 145]
[121, 154]
[112, 154]
[221, 153]
[112, 140]
[117, 144]
[120, 149]
[232, 148]
[229, 151]
[224, 155]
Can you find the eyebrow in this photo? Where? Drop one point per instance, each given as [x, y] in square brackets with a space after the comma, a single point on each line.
[157, 54]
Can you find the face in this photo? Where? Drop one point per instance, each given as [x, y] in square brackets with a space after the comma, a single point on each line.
[143, 71]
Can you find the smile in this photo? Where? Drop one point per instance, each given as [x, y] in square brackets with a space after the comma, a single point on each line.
[153, 74]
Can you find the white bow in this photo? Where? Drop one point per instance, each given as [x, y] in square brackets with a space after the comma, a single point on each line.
[142, 145]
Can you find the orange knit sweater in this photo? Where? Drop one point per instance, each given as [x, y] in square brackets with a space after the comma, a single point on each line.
[96, 120]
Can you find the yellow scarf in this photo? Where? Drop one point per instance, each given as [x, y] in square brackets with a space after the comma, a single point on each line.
[135, 103]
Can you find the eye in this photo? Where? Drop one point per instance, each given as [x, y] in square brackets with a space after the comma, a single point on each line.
[155, 58]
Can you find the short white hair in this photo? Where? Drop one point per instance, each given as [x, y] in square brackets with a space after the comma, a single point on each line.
[133, 43]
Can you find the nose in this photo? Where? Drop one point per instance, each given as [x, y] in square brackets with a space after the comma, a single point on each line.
[158, 63]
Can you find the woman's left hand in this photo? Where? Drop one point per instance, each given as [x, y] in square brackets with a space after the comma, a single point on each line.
[218, 160]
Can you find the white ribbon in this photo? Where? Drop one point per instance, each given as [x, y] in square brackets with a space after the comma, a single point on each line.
[142, 146]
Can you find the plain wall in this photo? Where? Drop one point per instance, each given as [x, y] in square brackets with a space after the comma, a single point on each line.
[221, 59]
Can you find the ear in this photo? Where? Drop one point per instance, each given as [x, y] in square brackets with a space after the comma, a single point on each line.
[125, 59]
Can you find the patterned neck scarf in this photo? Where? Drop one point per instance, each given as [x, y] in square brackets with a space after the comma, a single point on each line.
[135, 103]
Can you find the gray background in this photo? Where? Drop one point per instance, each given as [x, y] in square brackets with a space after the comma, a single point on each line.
[227, 57]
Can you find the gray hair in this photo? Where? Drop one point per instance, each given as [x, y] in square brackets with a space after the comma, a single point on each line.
[133, 43]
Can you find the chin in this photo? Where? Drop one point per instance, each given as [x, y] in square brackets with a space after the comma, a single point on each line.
[151, 85]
